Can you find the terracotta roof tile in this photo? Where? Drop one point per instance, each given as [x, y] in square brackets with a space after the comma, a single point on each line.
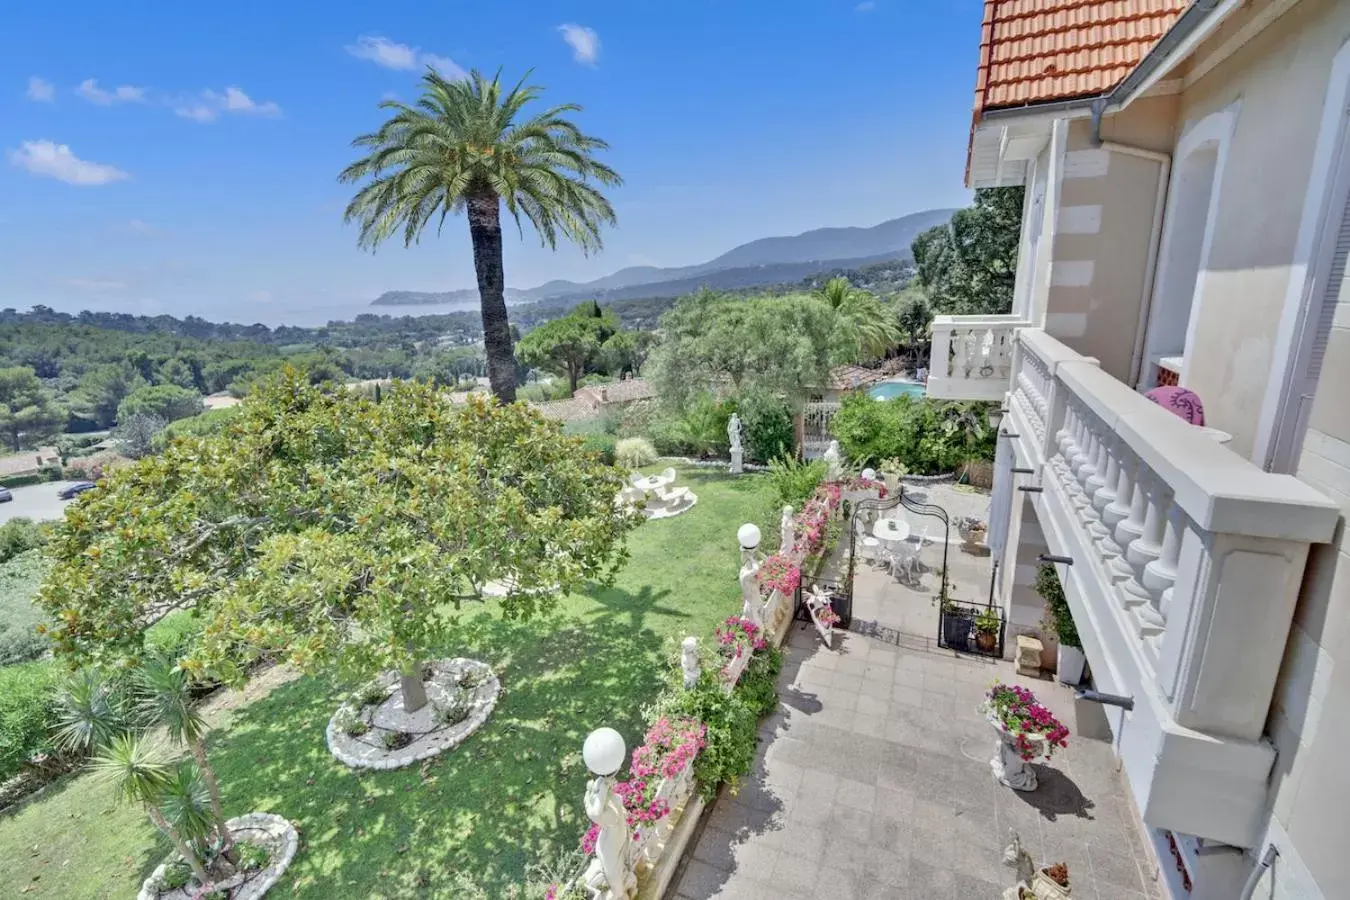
[1035, 51]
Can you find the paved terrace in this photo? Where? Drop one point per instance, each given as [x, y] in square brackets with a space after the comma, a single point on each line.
[872, 781]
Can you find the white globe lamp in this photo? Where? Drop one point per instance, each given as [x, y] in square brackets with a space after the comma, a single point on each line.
[604, 752]
[748, 535]
[869, 474]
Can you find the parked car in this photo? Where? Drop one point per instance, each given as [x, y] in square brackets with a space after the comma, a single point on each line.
[72, 490]
[5, 495]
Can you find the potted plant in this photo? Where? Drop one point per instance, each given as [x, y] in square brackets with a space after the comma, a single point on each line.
[956, 619]
[973, 531]
[1052, 882]
[986, 629]
[892, 470]
[1059, 620]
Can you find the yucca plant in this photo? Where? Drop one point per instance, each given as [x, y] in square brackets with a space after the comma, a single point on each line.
[91, 712]
[469, 145]
[164, 699]
[139, 771]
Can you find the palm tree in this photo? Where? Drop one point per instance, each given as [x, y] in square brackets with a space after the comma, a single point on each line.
[862, 327]
[139, 772]
[467, 145]
[165, 699]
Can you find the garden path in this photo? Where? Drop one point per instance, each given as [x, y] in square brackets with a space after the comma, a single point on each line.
[872, 781]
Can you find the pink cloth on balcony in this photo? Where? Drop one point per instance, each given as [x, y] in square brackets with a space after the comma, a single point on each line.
[1179, 402]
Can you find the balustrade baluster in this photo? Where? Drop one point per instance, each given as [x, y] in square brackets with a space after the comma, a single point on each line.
[1148, 546]
[1158, 578]
[961, 366]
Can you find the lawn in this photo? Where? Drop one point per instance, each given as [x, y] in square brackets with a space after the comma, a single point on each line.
[509, 796]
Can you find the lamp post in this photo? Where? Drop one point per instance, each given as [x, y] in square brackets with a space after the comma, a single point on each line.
[604, 752]
[996, 416]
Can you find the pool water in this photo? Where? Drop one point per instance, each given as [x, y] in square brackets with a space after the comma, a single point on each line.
[889, 390]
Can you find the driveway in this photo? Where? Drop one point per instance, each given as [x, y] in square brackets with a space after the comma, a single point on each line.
[36, 502]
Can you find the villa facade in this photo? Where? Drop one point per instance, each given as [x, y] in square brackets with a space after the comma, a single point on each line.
[1186, 221]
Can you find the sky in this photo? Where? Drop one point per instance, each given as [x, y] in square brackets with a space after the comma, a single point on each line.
[181, 158]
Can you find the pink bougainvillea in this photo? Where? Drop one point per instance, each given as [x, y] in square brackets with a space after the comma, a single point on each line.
[1034, 729]
[780, 573]
[738, 634]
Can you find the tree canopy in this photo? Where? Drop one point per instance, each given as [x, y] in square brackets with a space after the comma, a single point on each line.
[969, 266]
[27, 414]
[333, 529]
[571, 345]
[863, 329]
[775, 345]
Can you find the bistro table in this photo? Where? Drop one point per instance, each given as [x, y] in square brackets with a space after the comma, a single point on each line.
[891, 530]
[648, 484]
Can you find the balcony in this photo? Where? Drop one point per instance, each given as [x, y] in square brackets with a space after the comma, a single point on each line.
[971, 357]
[1187, 562]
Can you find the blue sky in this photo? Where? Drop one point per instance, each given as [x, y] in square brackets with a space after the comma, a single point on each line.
[181, 157]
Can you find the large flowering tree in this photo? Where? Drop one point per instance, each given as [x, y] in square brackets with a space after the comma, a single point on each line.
[334, 530]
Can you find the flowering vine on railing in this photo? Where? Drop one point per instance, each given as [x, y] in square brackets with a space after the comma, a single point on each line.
[739, 633]
[867, 484]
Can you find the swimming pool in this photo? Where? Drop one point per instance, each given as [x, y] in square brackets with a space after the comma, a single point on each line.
[889, 390]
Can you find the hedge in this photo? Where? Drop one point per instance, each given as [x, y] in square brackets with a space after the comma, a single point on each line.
[49, 473]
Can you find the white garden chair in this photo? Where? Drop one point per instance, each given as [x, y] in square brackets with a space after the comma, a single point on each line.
[868, 546]
[668, 476]
[672, 496]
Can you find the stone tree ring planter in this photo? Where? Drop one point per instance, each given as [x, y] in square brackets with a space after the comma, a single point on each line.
[271, 831]
[372, 730]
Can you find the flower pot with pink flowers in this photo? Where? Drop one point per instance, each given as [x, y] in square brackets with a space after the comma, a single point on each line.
[1027, 732]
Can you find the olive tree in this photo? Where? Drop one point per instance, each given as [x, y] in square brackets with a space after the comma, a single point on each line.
[334, 531]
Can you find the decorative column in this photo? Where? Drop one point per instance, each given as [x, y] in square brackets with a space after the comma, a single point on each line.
[1158, 578]
[604, 752]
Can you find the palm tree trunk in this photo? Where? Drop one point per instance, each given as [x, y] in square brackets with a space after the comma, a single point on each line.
[209, 776]
[179, 844]
[485, 229]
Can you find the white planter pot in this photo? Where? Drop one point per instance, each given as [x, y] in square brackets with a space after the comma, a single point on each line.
[1069, 664]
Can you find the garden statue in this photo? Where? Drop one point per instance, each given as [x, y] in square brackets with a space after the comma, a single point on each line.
[689, 661]
[614, 842]
[786, 533]
[734, 436]
[834, 463]
[1017, 858]
[1008, 766]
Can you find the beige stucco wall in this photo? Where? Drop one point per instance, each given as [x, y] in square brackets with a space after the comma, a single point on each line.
[1278, 82]
[1102, 234]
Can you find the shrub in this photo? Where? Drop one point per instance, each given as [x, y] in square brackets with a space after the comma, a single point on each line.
[930, 437]
[19, 536]
[702, 429]
[769, 430]
[252, 855]
[166, 401]
[176, 874]
[27, 712]
[793, 481]
[350, 723]
[208, 423]
[600, 444]
[20, 578]
[50, 473]
[634, 453]
[1059, 619]
[371, 694]
[455, 710]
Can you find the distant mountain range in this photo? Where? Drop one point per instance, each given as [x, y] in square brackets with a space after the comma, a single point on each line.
[770, 260]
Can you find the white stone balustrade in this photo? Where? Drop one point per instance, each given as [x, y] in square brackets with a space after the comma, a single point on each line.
[1187, 562]
[971, 357]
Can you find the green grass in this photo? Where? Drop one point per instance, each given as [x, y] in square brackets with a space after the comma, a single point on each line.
[507, 797]
[20, 578]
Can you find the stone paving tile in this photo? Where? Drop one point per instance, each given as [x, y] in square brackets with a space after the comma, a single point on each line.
[872, 781]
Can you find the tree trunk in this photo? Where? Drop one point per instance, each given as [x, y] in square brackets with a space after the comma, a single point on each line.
[209, 776]
[573, 376]
[485, 229]
[179, 844]
[414, 691]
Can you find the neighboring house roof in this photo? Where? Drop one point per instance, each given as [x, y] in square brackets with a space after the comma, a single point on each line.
[843, 378]
[1036, 51]
[29, 461]
[616, 392]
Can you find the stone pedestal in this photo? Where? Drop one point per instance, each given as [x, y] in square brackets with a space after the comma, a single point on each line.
[1008, 766]
[1029, 650]
[737, 462]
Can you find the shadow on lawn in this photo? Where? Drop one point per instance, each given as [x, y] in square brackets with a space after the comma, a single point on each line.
[510, 795]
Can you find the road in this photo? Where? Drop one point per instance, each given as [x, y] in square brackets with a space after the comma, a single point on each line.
[36, 502]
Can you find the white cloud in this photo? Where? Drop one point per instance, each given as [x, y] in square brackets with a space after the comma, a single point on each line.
[90, 91]
[261, 296]
[95, 285]
[866, 6]
[585, 43]
[393, 55]
[40, 90]
[208, 105]
[139, 226]
[45, 158]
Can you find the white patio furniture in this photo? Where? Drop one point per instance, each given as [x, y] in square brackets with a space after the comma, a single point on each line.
[668, 476]
[649, 483]
[868, 546]
[671, 496]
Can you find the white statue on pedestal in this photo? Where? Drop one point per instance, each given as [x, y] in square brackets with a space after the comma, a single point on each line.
[786, 537]
[613, 846]
[689, 661]
[752, 604]
[834, 463]
[737, 453]
[1008, 766]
